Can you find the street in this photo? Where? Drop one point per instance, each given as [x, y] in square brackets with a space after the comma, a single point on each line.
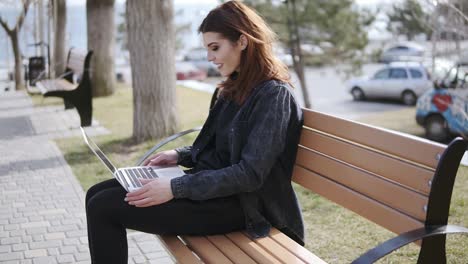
[328, 93]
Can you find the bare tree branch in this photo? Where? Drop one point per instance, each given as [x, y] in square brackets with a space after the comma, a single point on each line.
[5, 26]
[457, 10]
[23, 14]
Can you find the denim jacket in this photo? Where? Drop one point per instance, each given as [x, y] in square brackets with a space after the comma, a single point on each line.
[263, 144]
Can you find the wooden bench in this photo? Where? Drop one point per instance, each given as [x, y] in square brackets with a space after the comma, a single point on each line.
[74, 86]
[401, 182]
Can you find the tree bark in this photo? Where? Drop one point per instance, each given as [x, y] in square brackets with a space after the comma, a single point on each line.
[101, 39]
[152, 46]
[59, 37]
[19, 84]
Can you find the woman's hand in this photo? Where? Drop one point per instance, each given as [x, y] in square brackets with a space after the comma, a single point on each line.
[168, 157]
[154, 192]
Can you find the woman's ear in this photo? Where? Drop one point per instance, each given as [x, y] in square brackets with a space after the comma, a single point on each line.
[243, 42]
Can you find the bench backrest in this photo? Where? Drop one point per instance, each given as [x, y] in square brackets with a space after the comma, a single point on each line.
[77, 62]
[382, 175]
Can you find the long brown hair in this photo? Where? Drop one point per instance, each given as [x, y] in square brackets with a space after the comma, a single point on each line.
[258, 63]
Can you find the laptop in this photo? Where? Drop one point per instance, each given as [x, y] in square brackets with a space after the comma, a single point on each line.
[129, 177]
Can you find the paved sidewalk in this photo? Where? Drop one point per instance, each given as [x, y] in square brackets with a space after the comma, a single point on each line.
[42, 217]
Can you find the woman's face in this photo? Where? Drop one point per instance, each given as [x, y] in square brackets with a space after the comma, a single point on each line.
[225, 54]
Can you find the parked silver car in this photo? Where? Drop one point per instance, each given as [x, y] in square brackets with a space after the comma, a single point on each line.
[408, 51]
[405, 81]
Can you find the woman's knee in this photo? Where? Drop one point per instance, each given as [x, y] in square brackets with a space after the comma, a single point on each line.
[105, 202]
[99, 187]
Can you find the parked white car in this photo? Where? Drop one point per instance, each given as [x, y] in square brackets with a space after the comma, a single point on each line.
[405, 81]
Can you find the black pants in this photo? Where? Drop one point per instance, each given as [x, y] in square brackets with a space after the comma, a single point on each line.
[108, 217]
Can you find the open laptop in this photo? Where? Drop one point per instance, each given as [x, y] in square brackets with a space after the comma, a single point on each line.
[129, 177]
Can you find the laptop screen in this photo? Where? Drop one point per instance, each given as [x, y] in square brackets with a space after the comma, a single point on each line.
[98, 151]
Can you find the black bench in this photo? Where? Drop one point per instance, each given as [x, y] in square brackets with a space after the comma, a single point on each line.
[74, 86]
[400, 182]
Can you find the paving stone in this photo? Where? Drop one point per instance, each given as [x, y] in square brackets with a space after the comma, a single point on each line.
[165, 260]
[19, 220]
[53, 251]
[157, 255]
[37, 238]
[35, 253]
[148, 247]
[71, 241]
[35, 224]
[20, 247]
[11, 256]
[82, 256]
[17, 233]
[68, 249]
[139, 259]
[52, 236]
[65, 259]
[36, 231]
[10, 240]
[11, 227]
[44, 244]
[45, 260]
[5, 248]
[4, 234]
[76, 233]
[11, 262]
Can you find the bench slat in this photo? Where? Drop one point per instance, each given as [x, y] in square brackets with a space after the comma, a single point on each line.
[377, 188]
[277, 250]
[399, 171]
[252, 249]
[55, 85]
[291, 245]
[233, 252]
[206, 250]
[179, 250]
[381, 214]
[76, 59]
[402, 145]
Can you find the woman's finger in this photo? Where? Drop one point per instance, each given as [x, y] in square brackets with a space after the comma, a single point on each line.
[138, 192]
[142, 203]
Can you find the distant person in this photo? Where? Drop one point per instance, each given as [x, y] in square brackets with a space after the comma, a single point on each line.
[240, 164]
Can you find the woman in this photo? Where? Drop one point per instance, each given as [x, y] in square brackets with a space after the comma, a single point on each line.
[240, 164]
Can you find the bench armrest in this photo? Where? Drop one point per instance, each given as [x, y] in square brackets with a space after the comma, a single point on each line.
[164, 142]
[395, 243]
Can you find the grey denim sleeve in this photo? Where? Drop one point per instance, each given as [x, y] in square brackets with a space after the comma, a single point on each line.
[185, 156]
[265, 141]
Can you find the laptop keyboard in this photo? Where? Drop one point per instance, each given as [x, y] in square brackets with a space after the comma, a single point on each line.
[138, 173]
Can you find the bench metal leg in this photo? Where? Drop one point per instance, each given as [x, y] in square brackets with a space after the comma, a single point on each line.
[68, 104]
[433, 250]
[86, 113]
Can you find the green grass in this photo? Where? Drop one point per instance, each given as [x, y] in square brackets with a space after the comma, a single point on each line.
[333, 233]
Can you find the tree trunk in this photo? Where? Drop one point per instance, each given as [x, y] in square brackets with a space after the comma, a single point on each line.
[19, 84]
[59, 37]
[151, 44]
[298, 61]
[101, 39]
